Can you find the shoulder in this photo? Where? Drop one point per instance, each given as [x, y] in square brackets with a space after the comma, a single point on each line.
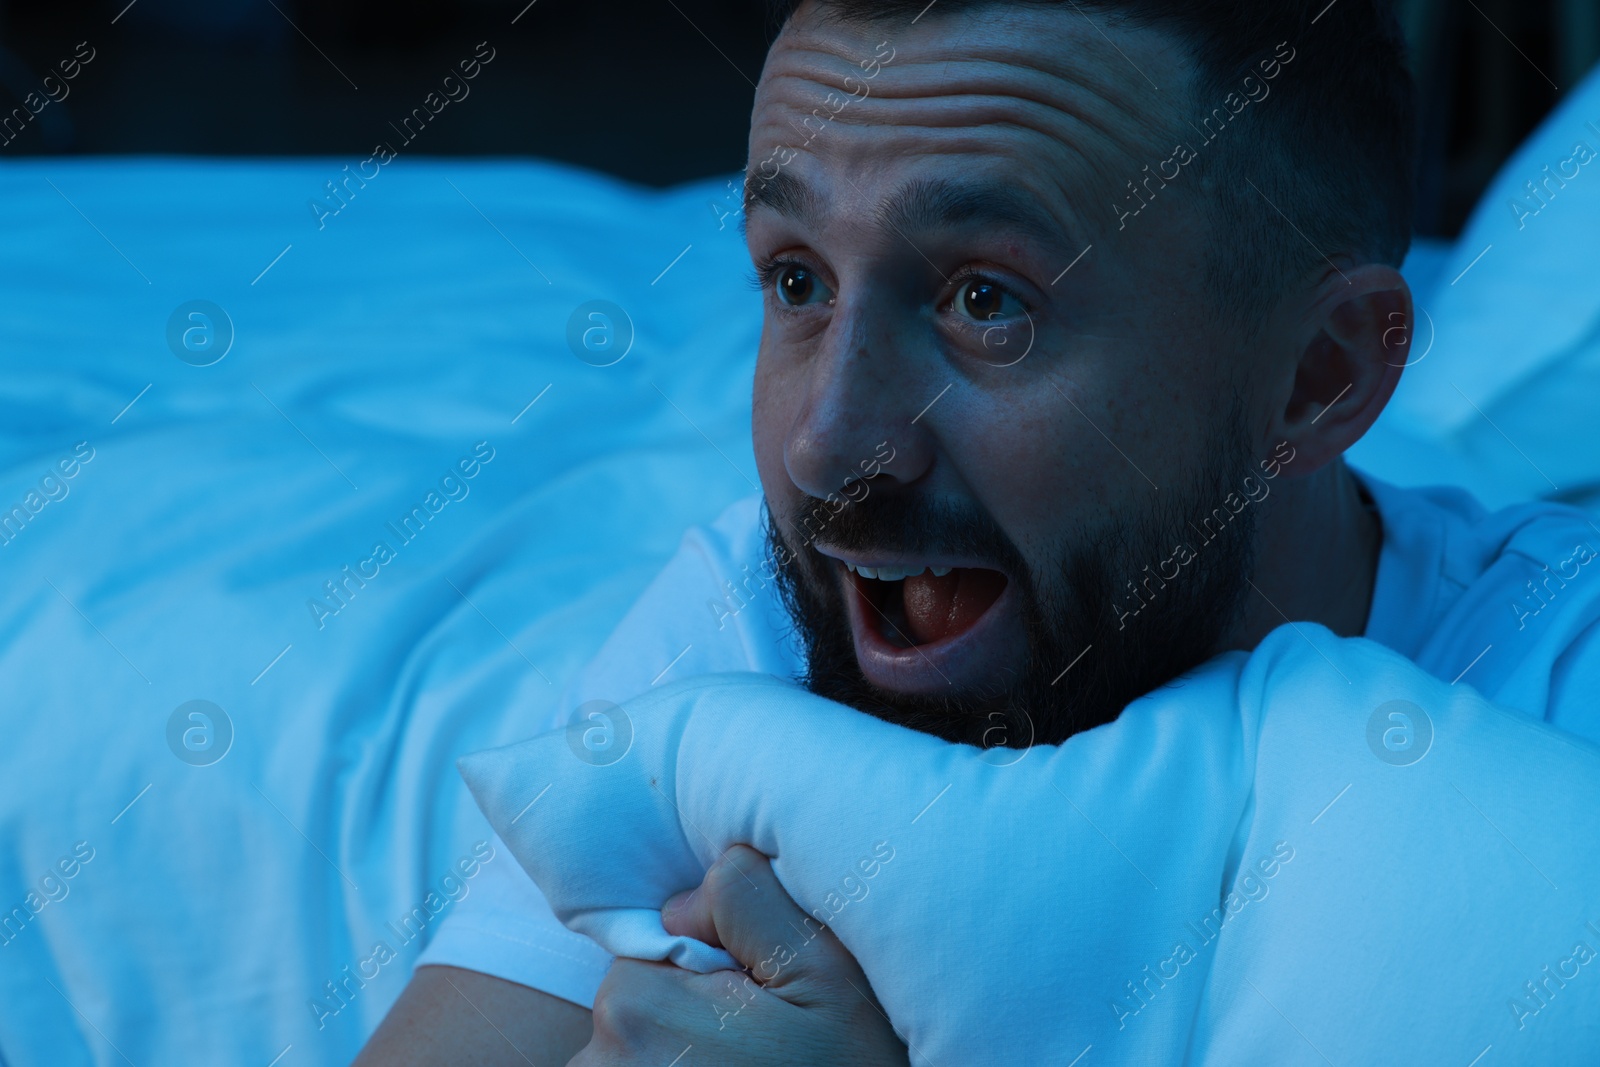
[1478, 537]
[1518, 610]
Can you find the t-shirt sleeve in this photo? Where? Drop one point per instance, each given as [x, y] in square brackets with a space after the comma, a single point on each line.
[505, 928]
[712, 608]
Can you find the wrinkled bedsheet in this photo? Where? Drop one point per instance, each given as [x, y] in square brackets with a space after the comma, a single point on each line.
[208, 508]
[379, 532]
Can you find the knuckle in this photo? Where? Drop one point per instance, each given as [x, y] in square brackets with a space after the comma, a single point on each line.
[617, 1018]
[720, 879]
[604, 1016]
[622, 1012]
[736, 868]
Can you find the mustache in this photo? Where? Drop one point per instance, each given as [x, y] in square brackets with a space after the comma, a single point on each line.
[908, 524]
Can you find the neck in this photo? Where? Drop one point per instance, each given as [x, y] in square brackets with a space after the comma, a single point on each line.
[1316, 558]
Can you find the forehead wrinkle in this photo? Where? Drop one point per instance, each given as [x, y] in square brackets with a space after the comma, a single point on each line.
[990, 90]
[1054, 198]
[996, 89]
[975, 54]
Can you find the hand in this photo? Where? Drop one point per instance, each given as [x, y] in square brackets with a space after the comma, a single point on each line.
[804, 1001]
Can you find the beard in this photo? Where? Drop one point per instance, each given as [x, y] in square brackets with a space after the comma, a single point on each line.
[1102, 610]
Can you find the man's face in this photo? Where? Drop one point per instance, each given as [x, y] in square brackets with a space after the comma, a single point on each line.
[1006, 395]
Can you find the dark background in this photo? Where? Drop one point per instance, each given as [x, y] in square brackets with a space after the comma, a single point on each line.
[655, 91]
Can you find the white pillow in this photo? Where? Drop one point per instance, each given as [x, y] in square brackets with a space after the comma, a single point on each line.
[1250, 865]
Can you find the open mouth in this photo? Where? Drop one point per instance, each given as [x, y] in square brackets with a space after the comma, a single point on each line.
[912, 606]
[932, 626]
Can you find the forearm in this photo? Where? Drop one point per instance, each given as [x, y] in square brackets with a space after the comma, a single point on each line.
[447, 1015]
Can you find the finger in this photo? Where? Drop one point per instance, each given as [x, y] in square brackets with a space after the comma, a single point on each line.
[685, 914]
[689, 913]
[741, 907]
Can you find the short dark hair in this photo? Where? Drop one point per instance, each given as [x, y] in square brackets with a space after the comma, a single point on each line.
[1323, 167]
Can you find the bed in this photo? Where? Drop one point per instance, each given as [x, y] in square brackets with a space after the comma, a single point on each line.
[234, 720]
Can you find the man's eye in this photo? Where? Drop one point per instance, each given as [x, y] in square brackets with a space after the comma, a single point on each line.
[795, 285]
[981, 299]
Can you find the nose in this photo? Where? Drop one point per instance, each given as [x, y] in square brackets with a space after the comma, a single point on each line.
[860, 414]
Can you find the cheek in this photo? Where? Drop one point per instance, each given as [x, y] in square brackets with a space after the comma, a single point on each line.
[771, 415]
[1028, 462]
[1045, 468]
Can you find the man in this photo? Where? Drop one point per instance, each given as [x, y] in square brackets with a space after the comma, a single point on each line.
[1070, 311]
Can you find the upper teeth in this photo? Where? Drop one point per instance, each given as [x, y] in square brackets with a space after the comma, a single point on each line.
[895, 574]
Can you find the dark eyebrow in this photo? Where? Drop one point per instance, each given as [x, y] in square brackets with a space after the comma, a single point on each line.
[783, 193]
[929, 203]
[919, 206]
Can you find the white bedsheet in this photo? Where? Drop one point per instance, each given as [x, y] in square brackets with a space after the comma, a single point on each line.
[370, 356]
[179, 564]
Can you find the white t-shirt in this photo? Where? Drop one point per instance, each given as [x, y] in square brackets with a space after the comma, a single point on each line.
[1508, 602]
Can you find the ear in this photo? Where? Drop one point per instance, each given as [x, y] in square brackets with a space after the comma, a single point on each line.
[1354, 341]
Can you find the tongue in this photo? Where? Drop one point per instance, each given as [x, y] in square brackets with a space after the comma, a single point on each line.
[937, 608]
